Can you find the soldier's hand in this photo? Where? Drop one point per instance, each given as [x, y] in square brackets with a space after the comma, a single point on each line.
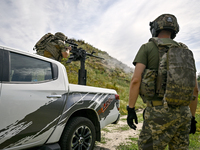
[69, 48]
[193, 125]
[131, 115]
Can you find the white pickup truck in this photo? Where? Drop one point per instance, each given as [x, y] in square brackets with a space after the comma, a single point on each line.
[39, 109]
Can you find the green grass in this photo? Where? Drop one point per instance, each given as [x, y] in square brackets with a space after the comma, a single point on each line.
[129, 145]
[140, 117]
[195, 139]
[103, 140]
[123, 128]
[133, 144]
[105, 130]
[124, 146]
[123, 119]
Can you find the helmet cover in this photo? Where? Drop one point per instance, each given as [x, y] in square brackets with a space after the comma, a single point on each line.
[60, 36]
[164, 22]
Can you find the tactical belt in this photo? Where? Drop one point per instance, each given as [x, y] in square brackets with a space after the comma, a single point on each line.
[154, 103]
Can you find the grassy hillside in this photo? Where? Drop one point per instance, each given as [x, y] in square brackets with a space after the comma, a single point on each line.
[108, 73]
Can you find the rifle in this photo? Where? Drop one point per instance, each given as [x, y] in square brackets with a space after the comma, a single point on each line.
[79, 54]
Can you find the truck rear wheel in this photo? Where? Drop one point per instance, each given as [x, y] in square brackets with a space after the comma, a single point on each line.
[78, 134]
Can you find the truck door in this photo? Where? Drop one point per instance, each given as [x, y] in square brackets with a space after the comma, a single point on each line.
[31, 101]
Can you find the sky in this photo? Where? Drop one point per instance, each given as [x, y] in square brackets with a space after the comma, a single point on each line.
[118, 27]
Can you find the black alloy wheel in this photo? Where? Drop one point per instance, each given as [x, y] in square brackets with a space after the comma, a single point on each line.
[79, 134]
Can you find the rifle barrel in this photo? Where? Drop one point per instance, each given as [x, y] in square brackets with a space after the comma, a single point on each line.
[94, 56]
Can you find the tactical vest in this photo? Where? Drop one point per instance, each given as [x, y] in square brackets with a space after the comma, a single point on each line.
[175, 79]
[53, 48]
[41, 44]
[48, 47]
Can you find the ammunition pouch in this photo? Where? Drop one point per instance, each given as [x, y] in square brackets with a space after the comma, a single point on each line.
[53, 51]
[48, 54]
[148, 84]
[162, 73]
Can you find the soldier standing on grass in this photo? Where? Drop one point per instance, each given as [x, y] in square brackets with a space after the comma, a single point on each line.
[170, 94]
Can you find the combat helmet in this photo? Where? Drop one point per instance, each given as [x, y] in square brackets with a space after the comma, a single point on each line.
[166, 22]
[60, 36]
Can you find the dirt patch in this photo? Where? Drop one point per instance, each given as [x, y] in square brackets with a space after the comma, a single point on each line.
[114, 134]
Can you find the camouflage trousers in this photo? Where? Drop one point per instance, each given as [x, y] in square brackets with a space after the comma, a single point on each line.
[162, 127]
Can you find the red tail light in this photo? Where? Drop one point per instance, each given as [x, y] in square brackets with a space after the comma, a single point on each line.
[117, 103]
[117, 96]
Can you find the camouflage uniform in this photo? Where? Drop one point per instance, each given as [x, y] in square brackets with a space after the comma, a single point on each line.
[162, 125]
[54, 47]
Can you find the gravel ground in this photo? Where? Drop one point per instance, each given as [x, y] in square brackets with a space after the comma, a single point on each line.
[114, 134]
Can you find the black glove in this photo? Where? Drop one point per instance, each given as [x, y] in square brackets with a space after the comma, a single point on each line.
[131, 115]
[193, 125]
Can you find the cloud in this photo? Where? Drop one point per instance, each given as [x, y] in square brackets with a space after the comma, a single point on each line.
[118, 27]
[125, 26]
[21, 23]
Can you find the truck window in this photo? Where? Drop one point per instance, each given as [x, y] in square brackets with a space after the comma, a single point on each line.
[28, 69]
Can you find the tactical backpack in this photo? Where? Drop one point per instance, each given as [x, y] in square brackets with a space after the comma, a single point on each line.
[175, 78]
[47, 47]
[41, 44]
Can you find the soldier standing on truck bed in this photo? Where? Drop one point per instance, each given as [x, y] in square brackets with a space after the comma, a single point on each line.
[165, 78]
[53, 46]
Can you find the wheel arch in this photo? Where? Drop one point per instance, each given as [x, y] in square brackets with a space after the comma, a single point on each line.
[92, 116]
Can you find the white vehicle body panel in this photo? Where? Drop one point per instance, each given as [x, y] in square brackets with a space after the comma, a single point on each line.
[30, 116]
[91, 89]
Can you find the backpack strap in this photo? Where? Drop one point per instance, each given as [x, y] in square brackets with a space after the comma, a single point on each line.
[159, 43]
[156, 41]
[162, 67]
[183, 45]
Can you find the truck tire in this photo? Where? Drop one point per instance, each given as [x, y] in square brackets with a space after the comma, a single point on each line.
[78, 134]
